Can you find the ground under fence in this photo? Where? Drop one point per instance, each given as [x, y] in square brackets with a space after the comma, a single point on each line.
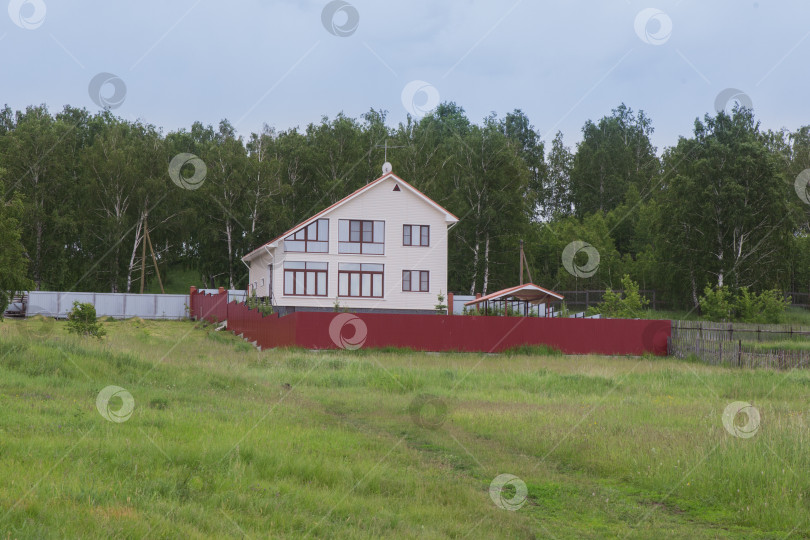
[742, 345]
[328, 330]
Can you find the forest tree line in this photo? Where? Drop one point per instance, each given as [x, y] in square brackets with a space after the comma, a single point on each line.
[721, 207]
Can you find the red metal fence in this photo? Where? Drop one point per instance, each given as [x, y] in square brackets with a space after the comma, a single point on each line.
[325, 330]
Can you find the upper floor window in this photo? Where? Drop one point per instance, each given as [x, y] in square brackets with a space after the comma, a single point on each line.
[314, 238]
[416, 235]
[361, 236]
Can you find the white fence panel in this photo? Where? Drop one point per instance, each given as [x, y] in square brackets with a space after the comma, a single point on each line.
[111, 305]
[42, 303]
[234, 295]
[173, 306]
[117, 305]
[458, 303]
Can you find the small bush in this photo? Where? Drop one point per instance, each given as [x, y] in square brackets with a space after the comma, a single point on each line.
[82, 321]
[628, 304]
[262, 305]
[716, 304]
[745, 306]
[721, 305]
[772, 306]
[441, 307]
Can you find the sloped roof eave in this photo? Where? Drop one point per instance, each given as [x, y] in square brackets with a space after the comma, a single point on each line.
[511, 291]
[449, 216]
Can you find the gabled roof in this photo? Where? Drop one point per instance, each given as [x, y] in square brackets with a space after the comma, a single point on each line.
[449, 217]
[528, 292]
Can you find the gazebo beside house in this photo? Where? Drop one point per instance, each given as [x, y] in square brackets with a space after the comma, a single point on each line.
[519, 298]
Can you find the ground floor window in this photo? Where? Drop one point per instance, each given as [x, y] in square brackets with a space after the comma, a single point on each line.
[415, 280]
[360, 280]
[305, 278]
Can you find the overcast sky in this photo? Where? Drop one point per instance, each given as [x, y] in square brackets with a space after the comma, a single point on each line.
[288, 63]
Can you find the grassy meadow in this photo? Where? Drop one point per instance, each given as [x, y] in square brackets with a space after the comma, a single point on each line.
[229, 442]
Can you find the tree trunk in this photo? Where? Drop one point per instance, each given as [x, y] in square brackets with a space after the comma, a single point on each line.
[138, 228]
[486, 266]
[475, 268]
[229, 234]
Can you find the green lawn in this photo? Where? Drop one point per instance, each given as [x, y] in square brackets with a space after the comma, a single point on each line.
[226, 441]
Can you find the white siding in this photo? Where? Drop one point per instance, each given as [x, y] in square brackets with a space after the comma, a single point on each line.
[259, 274]
[396, 208]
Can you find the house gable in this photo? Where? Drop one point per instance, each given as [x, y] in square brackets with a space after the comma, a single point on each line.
[388, 183]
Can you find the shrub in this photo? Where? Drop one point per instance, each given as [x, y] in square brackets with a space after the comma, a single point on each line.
[627, 304]
[766, 307]
[263, 306]
[772, 306]
[716, 304]
[720, 304]
[82, 321]
[441, 307]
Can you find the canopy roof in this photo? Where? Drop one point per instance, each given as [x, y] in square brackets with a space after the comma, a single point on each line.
[528, 292]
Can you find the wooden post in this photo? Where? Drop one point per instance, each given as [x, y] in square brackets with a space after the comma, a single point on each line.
[154, 260]
[521, 262]
[143, 256]
[450, 305]
[191, 292]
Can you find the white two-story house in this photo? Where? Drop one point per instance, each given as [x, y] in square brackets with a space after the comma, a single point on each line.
[382, 248]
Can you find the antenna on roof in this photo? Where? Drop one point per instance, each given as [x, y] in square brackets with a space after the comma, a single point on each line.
[387, 167]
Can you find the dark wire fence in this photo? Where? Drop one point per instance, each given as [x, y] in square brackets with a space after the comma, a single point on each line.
[776, 346]
[575, 300]
[590, 297]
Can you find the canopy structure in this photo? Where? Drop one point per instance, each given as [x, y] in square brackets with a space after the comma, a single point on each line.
[520, 296]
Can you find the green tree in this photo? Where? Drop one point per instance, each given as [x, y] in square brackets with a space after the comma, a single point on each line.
[34, 156]
[555, 198]
[724, 212]
[13, 264]
[614, 153]
[627, 304]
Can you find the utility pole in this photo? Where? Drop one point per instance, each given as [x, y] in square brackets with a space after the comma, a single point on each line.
[524, 262]
[147, 239]
[154, 261]
[143, 255]
[521, 262]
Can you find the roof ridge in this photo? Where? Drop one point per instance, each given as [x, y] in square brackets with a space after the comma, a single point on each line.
[344, 199]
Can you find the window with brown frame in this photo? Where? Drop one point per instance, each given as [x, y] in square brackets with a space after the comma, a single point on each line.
[360, 280]
[415, 281]
[305, 278]
[416, 235]
[314, 238]
[363, 237]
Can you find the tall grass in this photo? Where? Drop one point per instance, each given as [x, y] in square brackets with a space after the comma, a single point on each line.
[227, 441]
